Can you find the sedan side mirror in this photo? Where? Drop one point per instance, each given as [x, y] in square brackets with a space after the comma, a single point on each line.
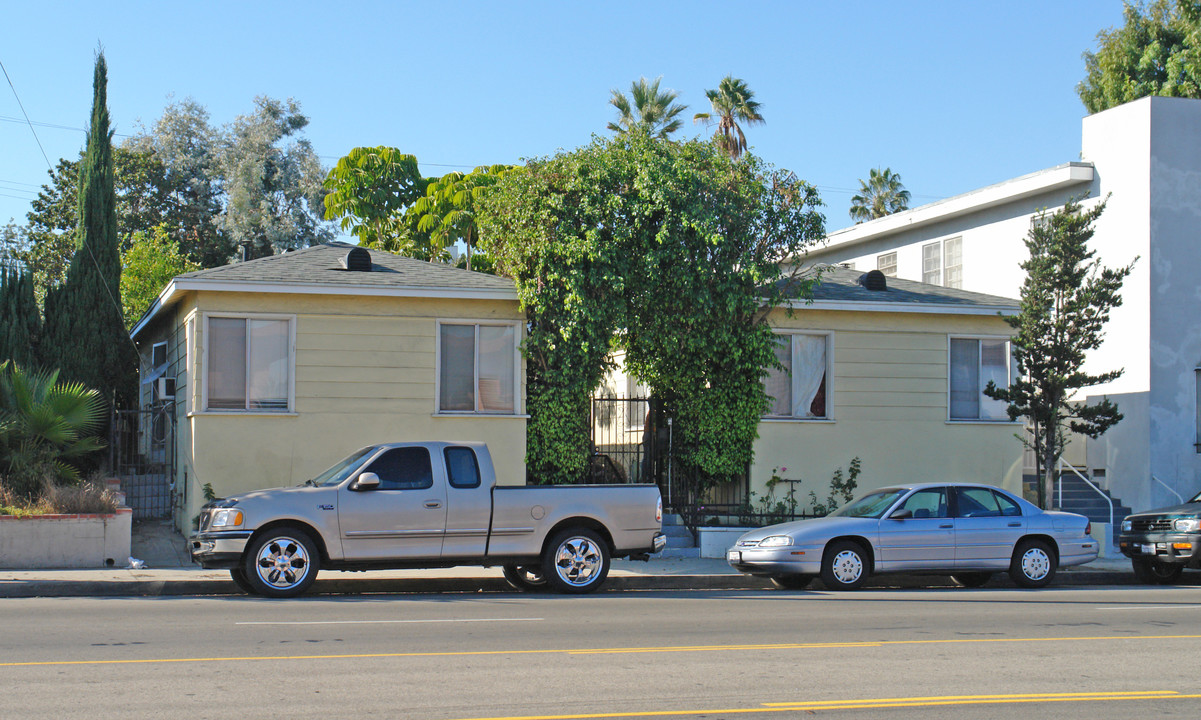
[901, 515]
[365, 481]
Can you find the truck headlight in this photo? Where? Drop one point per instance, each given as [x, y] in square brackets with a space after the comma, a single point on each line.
[1127, 526]
[226, 518]
[775, 541]
[1186, 525]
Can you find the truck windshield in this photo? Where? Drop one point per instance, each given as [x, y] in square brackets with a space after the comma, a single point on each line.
[342, 470]
[872, 505]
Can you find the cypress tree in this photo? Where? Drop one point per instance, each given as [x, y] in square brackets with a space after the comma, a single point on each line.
[20, 324]
[85, 333]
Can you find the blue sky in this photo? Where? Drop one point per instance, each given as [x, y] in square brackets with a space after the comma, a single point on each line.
[951, 95]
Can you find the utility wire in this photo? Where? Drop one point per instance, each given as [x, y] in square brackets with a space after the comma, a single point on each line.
[27, 120]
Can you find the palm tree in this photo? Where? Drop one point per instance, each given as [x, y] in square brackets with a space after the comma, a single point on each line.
[732, 101]
[882, 194]
[656, 111]
[44, 424]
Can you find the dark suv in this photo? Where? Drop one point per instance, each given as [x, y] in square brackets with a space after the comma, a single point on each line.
[1162, 543]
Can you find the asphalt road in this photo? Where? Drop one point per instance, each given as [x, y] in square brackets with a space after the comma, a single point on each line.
[935, 653]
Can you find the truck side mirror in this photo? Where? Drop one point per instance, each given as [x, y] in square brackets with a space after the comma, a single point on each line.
[901, 515]
[365, 481]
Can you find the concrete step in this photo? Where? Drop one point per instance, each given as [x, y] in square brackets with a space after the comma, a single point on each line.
[676, 552]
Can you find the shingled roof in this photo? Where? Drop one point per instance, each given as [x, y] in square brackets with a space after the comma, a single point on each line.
[326, 265]
[840, 285]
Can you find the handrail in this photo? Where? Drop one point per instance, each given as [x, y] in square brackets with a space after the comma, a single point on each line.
[1166, 487]
[1090, 484]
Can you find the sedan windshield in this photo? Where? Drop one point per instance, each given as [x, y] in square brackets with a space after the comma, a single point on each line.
[872, 505]
[342, 470]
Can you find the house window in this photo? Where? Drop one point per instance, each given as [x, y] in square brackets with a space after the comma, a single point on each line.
[931, 263]
[249, 364]
[952, 254]
[887, 264]
[477, 368]
[801, 391]
[973, 363]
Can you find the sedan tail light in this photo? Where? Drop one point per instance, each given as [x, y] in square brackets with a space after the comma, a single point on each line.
[1088, 528]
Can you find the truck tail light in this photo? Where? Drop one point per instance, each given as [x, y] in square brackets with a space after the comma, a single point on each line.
[659, 511]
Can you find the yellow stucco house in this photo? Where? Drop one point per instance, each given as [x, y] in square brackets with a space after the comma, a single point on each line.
[276, 368]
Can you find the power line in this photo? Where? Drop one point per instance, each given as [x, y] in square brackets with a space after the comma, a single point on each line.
[27, 120]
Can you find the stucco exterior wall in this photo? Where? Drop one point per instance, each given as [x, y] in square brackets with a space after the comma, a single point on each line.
[889, 408]
[365, 372]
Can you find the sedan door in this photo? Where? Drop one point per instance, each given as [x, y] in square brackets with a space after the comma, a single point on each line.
[405, 517]
[987, 526]
[923, 541]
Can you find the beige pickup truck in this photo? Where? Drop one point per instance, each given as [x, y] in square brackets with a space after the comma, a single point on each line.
[425, 505]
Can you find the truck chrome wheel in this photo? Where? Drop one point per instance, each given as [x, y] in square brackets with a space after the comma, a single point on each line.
[525, 577]
[282, 563]
[577, 561]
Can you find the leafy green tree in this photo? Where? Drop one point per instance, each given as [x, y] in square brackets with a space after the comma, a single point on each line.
[882, 194]
[45, 428]
[653, 111]
[447, 211]
[84, 335]
[1066, 299]
[273, 180]
[1157, 52]
[13, 246]
[20, 321]
[732, 102]
[369, 190]
[671, 251]
[147, 266]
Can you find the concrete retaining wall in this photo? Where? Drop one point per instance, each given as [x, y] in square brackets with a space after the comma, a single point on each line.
[65, 541]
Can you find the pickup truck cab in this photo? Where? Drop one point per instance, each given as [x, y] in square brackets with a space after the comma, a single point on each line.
[422, 505]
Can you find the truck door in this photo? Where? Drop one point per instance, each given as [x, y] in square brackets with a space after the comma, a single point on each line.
[405, 517]
[469, 505]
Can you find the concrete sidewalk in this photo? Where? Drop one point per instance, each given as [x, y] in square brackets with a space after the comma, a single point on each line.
[168, 571]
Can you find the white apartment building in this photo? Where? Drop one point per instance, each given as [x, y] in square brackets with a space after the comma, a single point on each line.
[1144, 156]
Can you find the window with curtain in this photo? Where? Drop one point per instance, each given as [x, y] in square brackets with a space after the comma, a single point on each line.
[799, 392]
[973, 363]
[478, 368]
[249, 364]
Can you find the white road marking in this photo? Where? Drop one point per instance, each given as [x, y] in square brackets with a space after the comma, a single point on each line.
[1154, 607]
[386, 622]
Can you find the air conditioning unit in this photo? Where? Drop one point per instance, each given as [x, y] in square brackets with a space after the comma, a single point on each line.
[166, 388]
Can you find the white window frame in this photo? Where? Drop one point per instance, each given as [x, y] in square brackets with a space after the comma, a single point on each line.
[946, 264]
[1010, 362]
[937, 255]
[793, 390]
[205, 355]
[885, 267]
[517, 387]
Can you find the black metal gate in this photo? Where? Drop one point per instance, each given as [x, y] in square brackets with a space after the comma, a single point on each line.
[142, 457]
[633, 440]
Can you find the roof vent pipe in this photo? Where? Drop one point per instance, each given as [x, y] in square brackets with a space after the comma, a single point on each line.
[873, 280]
[357, 260]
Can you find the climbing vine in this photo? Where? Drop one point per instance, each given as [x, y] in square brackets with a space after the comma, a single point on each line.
[670, 251]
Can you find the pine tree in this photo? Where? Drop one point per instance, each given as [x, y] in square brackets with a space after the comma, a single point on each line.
[85, 333]
[20, 324]
[1065, 303]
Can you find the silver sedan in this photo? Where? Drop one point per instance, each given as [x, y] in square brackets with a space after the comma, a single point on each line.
[966, 531]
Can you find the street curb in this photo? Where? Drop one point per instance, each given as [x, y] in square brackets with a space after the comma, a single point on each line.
[433, 585]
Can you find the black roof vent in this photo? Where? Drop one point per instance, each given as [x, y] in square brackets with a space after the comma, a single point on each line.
[357, 260]
[873, 280]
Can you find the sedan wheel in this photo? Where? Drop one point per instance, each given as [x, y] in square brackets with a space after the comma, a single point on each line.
[972, 579]
[845, 566]
[283, 562]
[791, 582]
[1153, 572]
[1033, 564]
